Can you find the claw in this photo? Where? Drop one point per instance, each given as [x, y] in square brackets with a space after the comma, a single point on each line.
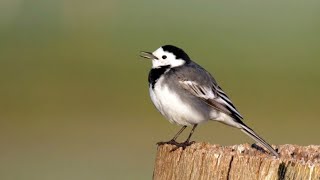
[182, 145]
[172, 142]
[175, 143]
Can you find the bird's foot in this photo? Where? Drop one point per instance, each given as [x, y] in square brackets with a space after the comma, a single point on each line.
[178, 145]
[182, 145]
[172, 142]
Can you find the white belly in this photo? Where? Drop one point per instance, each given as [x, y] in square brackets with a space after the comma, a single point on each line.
[173, 107]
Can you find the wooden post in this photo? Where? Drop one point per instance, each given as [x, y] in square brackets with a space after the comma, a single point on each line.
[205, 161]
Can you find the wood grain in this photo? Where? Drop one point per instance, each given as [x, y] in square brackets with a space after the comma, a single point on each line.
[206, 161]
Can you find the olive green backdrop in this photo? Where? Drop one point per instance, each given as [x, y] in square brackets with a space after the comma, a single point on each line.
[74, 100]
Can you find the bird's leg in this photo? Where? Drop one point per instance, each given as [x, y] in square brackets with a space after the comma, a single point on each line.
[187, 142]
[176, 136]
[173, 140]
[192, 131]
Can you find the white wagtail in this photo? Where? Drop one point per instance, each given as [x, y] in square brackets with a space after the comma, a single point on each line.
[186, 94]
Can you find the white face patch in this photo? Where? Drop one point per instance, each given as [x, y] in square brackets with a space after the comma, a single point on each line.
[165, 58]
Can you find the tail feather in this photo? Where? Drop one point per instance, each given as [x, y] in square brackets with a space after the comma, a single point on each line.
[258, 139]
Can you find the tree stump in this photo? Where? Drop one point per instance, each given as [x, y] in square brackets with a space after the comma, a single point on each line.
[205, 161]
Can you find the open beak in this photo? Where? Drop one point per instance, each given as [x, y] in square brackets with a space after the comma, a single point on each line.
[147, 55]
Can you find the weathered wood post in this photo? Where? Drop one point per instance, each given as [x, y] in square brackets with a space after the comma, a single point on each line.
[205, 161]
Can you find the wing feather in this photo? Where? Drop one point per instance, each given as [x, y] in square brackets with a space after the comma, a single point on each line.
[213, 96]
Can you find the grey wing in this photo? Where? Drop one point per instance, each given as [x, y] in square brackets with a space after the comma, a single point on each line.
[201, 84]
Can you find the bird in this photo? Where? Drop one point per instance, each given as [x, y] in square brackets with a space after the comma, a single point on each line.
[188, 95]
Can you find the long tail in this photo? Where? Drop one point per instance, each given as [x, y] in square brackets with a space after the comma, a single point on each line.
[257, 138]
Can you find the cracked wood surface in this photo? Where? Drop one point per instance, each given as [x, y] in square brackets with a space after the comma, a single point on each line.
[206, 161]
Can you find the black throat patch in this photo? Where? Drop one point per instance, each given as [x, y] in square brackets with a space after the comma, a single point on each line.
[155, 74]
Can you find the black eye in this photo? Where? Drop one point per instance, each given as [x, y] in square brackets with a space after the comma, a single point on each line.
[164, 57]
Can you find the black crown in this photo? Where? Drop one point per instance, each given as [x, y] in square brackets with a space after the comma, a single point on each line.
[179, 53]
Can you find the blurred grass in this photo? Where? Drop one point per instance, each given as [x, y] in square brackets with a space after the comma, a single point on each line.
[74, 99]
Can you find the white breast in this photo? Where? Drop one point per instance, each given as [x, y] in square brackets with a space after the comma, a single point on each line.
[173, 107]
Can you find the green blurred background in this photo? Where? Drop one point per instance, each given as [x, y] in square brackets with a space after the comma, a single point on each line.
[74, 100]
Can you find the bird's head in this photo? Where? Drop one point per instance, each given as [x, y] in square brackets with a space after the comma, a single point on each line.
[167, 55]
